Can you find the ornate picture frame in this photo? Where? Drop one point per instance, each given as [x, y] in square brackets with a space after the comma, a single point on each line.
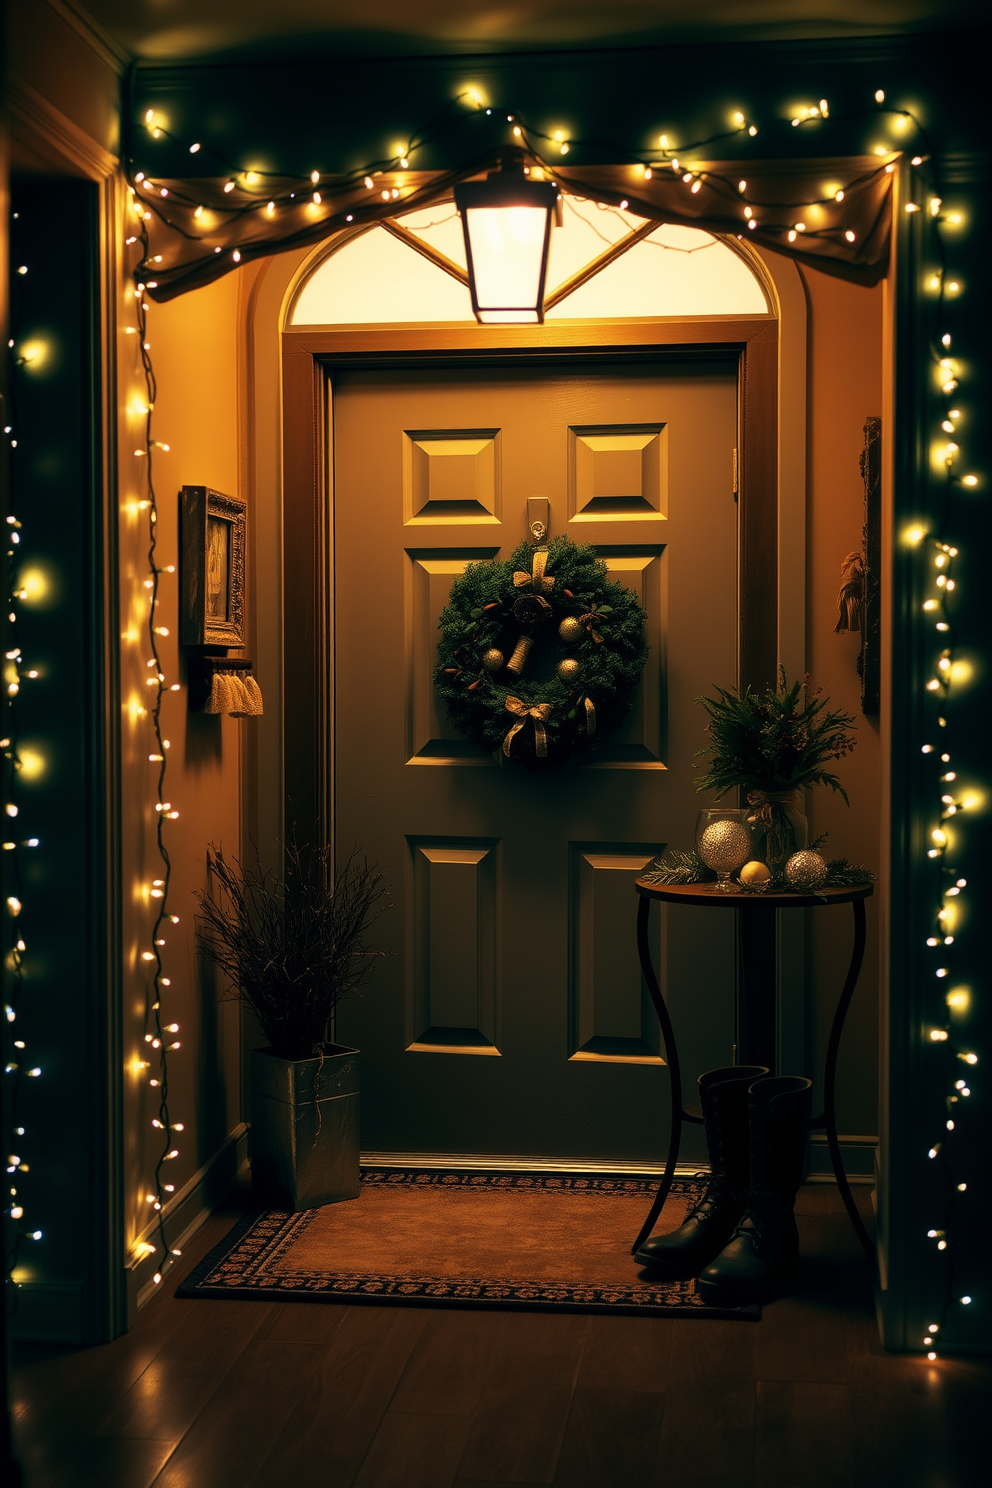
[213, 534]
[870, 659]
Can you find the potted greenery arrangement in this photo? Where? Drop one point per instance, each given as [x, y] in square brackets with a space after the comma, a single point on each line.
[771, 745]
[291, 948]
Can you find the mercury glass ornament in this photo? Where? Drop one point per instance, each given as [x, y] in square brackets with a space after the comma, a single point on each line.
[493, 659]
[570, 629]
[723, 841]
[806, 871]
[568, 669]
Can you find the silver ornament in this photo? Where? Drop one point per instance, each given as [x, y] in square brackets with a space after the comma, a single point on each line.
[725, 846]
[570, 629]
[568, 669]
[493, 659]
[806, 871]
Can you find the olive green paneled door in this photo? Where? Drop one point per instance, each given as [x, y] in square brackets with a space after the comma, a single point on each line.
[510, 1017]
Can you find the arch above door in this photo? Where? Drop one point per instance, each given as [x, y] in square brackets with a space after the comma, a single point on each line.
[603, 264]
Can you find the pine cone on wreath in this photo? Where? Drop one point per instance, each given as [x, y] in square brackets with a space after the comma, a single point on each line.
[530, 609]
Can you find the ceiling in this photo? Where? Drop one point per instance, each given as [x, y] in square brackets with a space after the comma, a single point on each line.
[196, 30]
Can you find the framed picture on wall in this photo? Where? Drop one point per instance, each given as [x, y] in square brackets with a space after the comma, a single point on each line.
[212, 573]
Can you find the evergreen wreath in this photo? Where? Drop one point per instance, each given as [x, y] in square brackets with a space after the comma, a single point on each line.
[541, 653]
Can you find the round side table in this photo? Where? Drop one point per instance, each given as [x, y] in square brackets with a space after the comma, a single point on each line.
[756, 1012]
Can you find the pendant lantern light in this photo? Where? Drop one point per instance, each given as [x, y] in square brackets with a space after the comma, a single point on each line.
[507, 221]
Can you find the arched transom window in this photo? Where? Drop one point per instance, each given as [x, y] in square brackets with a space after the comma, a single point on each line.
[604, 264]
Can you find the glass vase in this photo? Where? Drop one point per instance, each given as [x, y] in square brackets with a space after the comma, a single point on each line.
[778, 825]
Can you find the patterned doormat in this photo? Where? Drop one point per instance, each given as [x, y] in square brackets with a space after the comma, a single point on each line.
[534, 1241]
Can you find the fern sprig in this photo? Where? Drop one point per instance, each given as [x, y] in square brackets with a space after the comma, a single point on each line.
[778, 740]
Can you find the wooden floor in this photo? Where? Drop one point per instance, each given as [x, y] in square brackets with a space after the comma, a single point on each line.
[208, 1394]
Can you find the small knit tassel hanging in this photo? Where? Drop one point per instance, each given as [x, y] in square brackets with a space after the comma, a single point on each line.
[255, 694]
[220, 699]
[240, 697]
[235, 692]
[249, 696]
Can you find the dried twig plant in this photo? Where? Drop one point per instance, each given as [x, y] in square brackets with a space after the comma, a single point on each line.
[292, 947]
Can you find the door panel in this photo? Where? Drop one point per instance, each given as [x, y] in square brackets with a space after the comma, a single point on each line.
[611, 1013]
[429, 576]
[618, 471]
[451, 477]
[452, 946]
[511, 1016]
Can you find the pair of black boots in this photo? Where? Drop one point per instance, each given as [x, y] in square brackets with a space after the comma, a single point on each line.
[740, 1240]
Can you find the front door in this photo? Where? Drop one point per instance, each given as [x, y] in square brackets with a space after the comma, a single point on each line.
[510, 1016]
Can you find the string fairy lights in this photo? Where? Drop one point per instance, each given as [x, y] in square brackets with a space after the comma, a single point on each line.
[945, 1034]
[160, 1036]
[219, 221]
[18, 1065]
[228, 219]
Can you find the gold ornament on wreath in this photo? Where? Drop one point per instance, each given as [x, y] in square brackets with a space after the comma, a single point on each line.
[501, 671]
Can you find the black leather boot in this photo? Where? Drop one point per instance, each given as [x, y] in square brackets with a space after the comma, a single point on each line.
[710, 1223]
[764, 1247]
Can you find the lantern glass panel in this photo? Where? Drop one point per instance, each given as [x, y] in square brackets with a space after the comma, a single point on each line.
[508, 247]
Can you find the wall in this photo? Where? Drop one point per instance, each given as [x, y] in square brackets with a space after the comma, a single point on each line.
[845, 387]
[54, 770]
[194, 346]
[64, 104]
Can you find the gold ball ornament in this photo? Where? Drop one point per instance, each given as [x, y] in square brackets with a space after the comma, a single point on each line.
[570, 629]
[754, 874]
[568, 669]
[724, 846]
[805, 871]
[493, 660]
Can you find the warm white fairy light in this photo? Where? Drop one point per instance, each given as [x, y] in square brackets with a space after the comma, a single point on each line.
[20, 590]
[328, 206]
[952, 798]
[157, 892]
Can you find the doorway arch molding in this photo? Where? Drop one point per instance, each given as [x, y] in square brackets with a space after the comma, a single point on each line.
[285, 391]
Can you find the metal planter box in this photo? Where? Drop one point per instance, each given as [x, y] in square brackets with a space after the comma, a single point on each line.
[304, 1128]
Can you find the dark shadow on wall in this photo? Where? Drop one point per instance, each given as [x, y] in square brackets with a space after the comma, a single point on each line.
[204, 740]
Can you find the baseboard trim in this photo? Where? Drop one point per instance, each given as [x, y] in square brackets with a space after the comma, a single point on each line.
[47, 1312]
[512, 1163]
[858, 1154]
[185, 1212]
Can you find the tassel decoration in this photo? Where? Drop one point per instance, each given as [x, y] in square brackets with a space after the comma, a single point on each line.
[234, 692]
[255, 696]
[241, 698]
[851, 599]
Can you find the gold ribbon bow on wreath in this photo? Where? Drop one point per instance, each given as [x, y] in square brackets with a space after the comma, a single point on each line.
[539, 712]
[537, 581]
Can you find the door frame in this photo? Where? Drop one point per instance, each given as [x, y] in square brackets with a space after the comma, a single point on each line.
[309, 361]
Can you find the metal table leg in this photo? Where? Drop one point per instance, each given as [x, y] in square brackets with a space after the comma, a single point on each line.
[675, 1075]
[828, 1121]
